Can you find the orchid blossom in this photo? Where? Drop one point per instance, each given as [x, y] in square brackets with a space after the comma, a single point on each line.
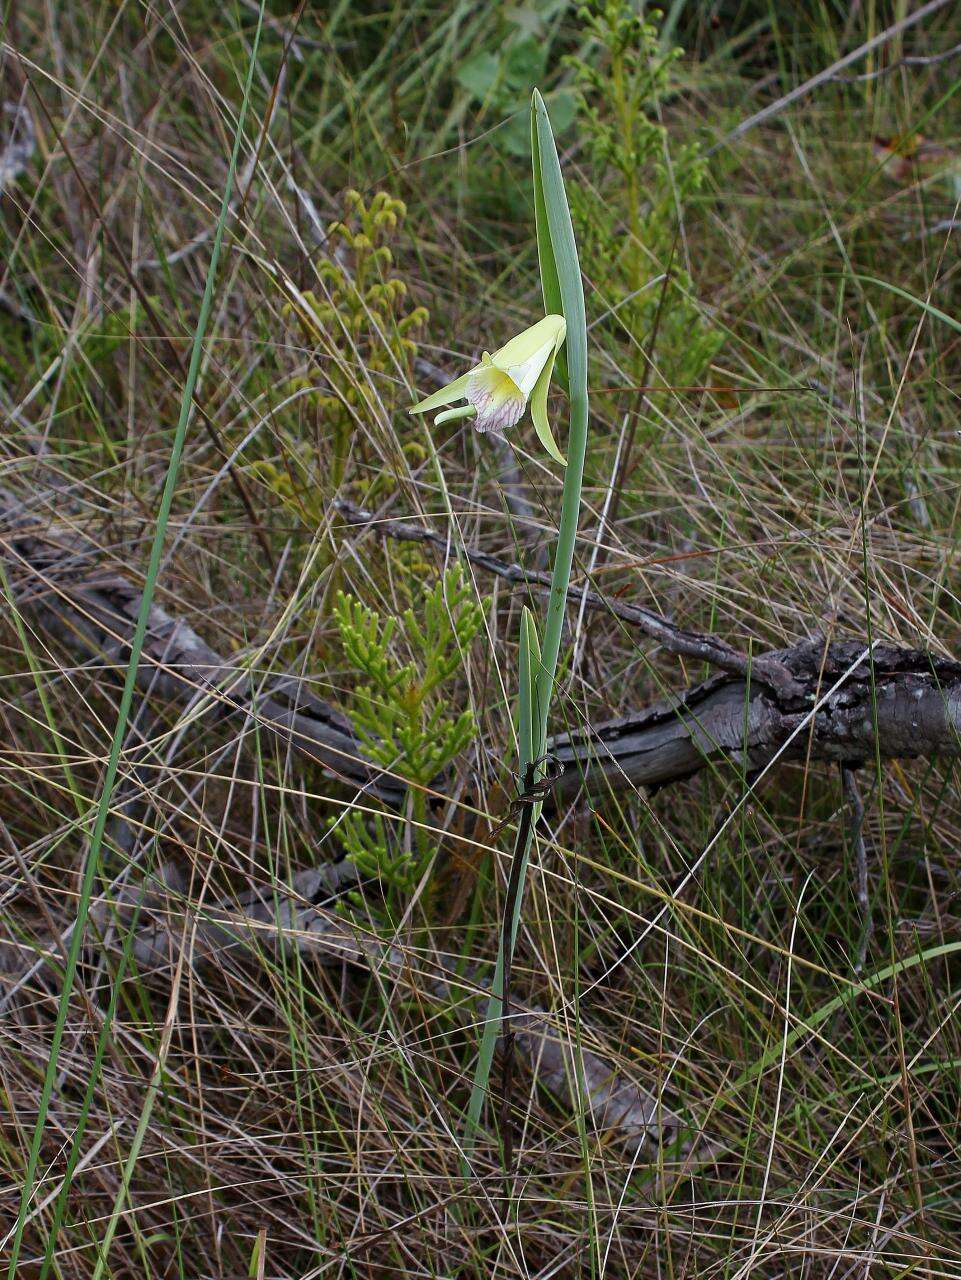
[499, 389]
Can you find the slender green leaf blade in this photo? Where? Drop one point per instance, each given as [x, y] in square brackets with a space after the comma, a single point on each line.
[526, 701]
[564, 264]
[923, 303]
[550, 286]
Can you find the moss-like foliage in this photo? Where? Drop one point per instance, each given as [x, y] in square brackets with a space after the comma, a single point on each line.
[403, 716]
[628, 223]
[359, 329]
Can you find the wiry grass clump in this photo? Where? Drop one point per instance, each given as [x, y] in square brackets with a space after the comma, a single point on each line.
[774, 453]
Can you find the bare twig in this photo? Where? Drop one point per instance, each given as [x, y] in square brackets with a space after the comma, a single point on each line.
[910, 60]
[937, 228]
[829, 73]
[690, 644]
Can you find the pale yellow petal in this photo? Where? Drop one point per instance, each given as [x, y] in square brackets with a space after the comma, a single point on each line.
[551, 329]
[539, 407]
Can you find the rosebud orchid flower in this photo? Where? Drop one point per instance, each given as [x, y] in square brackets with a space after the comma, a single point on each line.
[499, 389]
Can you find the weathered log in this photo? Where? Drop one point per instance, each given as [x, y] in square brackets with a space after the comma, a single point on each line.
[831, 717]
[810, 701]
[298, 917]
[91, 608]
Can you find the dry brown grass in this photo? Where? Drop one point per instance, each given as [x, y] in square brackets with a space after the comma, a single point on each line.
[323, 1104]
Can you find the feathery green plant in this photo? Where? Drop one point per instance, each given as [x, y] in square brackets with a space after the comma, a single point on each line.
[402, 719]
[621, 81]
[360, 324]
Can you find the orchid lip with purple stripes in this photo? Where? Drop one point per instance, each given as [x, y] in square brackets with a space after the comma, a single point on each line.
[500, 388]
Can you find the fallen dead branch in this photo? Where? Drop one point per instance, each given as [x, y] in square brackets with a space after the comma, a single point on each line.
[813, 700]
[299, 917]
[92, 609]
[816, 701]
[844, 690]
[689, 644]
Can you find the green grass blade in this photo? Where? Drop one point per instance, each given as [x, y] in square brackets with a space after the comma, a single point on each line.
[113, 762]
[923, 303]
[838, 1002]
[529, 663]
[550, 284]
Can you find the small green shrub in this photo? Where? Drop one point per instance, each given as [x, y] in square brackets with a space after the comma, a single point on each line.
[403, 717]
[621, 80]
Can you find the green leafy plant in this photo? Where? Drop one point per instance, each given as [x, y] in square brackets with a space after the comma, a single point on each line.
[499, 79]
[621, 80]
[403, 717]
[563, 292]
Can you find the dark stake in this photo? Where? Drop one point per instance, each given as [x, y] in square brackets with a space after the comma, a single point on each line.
[855, 805]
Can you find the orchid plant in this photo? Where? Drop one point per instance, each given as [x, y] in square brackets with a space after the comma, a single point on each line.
[497, 392]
